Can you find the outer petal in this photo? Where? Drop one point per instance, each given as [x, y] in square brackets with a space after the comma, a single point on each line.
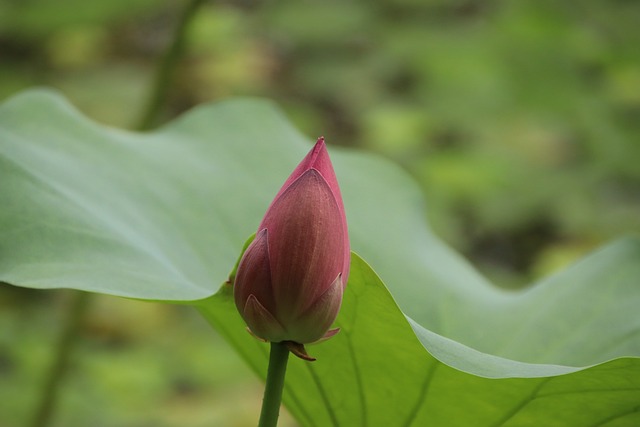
[330, 334]
[322, 163]
[254, 274]
[261, 321]
[318, 159]
[314, 323]
[306, 244]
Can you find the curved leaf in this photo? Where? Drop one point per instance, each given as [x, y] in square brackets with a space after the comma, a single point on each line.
[376, 373]
[162, 216]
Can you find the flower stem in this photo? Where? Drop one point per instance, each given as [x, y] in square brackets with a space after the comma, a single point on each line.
[278, 358]
[47, 400]
[163, 79]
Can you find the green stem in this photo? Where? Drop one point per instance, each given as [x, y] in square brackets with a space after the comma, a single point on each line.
[167, 67]
[275, 383]
[68, 338]
[157, 99]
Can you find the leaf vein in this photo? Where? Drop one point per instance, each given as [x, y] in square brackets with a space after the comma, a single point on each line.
[422, 396]
[616, 417]
[323, 395]
[528, 399]
[358, 374]
[602, 390]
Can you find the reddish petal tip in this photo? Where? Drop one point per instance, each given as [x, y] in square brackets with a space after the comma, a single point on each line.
[330, 333]
[318, 147]
[298, 350]
[255, 336]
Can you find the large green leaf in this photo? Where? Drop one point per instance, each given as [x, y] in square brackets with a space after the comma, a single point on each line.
[163, 216]
[376, 373]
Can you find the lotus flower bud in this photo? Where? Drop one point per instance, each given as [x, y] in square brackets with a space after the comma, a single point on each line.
[290, 280]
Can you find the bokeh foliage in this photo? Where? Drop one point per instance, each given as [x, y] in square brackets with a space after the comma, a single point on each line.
[519, 119]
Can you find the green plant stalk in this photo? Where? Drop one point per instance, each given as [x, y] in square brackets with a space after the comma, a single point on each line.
[166, 69]
[45, 406]
[68, 338]
[278, 357]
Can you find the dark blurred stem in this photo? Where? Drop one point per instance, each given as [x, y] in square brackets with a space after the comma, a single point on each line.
[78, 306]
[69, 337]
[278, 358]
[166, 68]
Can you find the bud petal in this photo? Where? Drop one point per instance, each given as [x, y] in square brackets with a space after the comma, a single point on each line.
[305, 250]
[263, 324]
[314, 323]
[253, 276]
[290, 280]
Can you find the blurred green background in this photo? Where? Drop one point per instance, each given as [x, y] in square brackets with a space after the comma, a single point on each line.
[520, 120]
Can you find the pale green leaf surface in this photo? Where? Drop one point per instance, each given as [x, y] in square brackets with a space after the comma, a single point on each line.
[163, 216]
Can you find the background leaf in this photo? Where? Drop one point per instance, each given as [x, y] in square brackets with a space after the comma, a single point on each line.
[499, 111]
[163, 215]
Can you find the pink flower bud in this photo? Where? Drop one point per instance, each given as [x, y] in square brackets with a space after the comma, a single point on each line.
[290, 280]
